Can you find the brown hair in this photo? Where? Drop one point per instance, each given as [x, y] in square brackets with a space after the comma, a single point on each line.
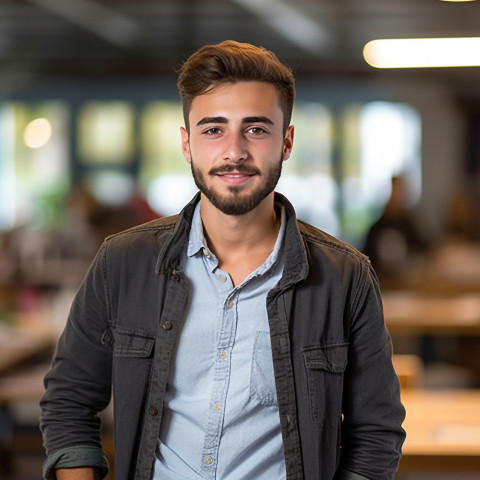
[230, 62]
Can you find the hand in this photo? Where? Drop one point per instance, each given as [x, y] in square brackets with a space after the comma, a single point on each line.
[86, 473]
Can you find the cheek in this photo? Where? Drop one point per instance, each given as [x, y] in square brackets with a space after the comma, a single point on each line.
[203, 151]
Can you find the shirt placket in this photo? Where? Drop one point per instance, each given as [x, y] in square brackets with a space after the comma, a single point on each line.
[222, 369]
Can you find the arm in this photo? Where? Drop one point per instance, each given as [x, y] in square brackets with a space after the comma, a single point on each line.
[77, 474]
[372, 435]
[78, 385]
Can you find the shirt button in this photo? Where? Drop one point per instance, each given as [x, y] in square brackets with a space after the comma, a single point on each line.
[208, 460]
[216, 406]
[153, 411]
[205, 252]
[222, 278]
[229, 304]
[222, 355]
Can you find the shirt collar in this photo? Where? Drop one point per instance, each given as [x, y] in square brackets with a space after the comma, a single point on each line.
[197, 240]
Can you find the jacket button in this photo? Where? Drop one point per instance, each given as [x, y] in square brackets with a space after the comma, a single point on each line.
[176, 276]
[153, 411]
[167, 325]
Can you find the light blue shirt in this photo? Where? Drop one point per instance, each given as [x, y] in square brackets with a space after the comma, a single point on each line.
[221, 417]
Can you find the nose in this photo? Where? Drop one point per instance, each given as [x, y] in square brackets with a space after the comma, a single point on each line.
[236, 148]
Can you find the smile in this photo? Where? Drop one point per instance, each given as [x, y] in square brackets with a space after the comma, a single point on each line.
[234, 177]
[235, 174]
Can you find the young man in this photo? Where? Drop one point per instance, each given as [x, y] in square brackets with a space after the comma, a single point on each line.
[240, 342]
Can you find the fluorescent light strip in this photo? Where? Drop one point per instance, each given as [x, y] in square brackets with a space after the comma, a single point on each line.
[423, 52]
[289, 21]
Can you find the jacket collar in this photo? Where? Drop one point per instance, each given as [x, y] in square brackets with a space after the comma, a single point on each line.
[296, 259]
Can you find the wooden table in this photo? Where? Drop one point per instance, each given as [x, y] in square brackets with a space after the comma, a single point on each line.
[410, 313]
[24, 386]
[443, 430]
[23, 341]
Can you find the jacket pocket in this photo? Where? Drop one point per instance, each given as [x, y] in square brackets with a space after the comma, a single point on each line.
[325, 366]
[132, 359]
[262, 377]
[125, 342]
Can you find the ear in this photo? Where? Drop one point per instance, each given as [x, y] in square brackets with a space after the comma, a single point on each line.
[288, 143]
[185, 145]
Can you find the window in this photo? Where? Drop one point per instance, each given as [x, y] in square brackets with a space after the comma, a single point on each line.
[34, 163]
[380, 140]
[106, 133]
[164, 173]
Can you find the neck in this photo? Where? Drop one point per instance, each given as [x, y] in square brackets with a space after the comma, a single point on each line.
[241, 243]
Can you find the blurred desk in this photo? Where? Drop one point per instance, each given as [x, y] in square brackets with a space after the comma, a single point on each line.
[443, 430]
[24, 386]
[23, 342]
[410, 313]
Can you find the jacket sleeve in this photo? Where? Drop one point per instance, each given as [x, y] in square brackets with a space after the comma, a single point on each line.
[72, 457]
[372, 435]
[78, 385]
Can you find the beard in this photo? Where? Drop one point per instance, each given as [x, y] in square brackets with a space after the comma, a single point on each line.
[236, 202]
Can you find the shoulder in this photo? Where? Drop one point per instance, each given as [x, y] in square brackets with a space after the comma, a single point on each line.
[145, 231]
[143, 241]
[321, 243]
[339, 267]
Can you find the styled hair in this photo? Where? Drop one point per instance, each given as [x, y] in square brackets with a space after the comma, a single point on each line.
[232, 62]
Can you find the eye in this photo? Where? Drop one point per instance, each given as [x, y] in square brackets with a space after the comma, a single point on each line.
[212, 131]
[256, 130]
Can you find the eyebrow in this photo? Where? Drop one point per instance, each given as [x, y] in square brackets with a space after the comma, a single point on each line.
[223, 120]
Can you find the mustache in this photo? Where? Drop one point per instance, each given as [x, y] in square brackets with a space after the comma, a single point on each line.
[229, 168]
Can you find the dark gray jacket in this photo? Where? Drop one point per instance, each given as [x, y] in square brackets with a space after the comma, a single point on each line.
[338, 395]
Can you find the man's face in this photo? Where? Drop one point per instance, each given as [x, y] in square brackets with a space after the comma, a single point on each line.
[236, 145]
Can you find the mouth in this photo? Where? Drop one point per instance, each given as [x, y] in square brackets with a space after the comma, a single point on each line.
[234, 174]
[235, 178]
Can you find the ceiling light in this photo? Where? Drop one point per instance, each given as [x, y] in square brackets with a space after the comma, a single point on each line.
[423, 52]
[290, 22]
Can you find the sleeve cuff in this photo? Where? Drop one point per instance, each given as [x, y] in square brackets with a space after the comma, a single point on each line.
[72, 457]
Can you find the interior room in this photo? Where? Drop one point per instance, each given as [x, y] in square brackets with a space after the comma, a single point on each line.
[386, 158]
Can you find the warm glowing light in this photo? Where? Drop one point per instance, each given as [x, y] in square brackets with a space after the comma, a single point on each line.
[37, 133]
[423, 52]
[458, 1]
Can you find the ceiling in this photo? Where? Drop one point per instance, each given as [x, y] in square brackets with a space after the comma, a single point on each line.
[112, 39]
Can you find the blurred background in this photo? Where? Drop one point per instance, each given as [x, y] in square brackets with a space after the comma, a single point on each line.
[385, 159]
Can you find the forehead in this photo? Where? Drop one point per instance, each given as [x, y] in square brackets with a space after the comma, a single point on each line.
[237, 99]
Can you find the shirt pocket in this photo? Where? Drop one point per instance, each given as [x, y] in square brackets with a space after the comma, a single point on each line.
[262, 377]
[325, 367]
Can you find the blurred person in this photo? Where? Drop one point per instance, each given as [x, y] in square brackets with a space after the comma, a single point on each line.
[80, 234]
[455, 258]
[454, 268]
[240, 342]
[394, 242]
[462, 215]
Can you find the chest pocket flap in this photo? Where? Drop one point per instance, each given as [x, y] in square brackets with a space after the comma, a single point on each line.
[332, 358]
[125, 342]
